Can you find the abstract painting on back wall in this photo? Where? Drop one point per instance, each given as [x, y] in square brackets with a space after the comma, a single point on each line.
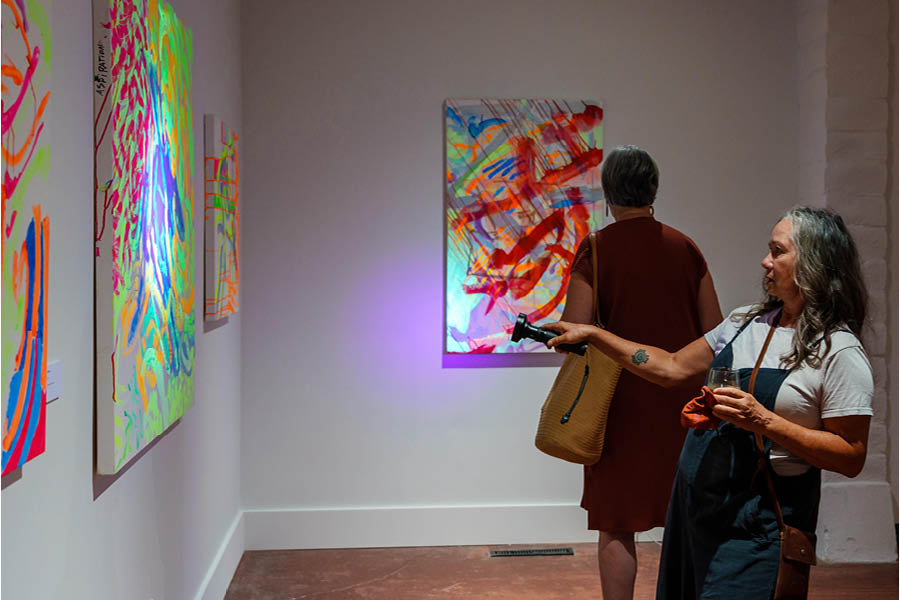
[143, 219]
[522, 188]
[27, 56]
[220, 216]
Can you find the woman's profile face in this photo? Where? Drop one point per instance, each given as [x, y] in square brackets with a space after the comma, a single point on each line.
[780, 262]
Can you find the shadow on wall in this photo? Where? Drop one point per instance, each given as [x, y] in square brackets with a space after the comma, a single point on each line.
[213, 325]
[102, 483]
[11, 477]
[502, 361]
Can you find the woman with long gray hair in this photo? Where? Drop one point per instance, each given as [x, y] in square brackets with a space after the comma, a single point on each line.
[810, 408]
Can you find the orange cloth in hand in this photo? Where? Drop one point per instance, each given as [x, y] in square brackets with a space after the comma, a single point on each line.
[697, 414]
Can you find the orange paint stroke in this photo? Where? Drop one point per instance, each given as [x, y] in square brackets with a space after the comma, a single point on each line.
[13, 72]
[45, 237]
[142, 389]
[466, 147]
[475, 181]
[20, 26]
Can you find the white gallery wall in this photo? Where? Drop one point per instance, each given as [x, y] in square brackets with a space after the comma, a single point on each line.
[158, 527]
[324, 415]
[353, 432]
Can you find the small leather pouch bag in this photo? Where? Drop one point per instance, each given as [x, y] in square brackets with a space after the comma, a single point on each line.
[798, 552]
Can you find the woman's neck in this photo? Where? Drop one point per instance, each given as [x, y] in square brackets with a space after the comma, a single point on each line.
[624, 213]
[790, 312]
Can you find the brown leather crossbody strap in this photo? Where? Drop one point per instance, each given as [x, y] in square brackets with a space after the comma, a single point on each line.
[759, 360]
[595, 261]
[763, 458]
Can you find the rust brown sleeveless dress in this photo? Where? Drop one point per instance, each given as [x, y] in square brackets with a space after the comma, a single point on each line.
[648, 284]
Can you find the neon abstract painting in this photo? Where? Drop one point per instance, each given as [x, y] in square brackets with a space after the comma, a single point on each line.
[143, 218]
[522, 188]
[220, 216]
[27, 56]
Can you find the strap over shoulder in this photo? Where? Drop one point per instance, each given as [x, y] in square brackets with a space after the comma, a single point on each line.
[763, 464]
[595, 306]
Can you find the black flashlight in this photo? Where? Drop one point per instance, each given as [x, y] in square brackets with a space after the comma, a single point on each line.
[524, 329]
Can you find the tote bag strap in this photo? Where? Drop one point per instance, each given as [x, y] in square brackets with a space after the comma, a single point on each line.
[595, 305]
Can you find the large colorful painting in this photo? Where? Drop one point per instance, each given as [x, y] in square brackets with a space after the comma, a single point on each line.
[27, 55]
[522, 188]
[220, 215]
[144, 233]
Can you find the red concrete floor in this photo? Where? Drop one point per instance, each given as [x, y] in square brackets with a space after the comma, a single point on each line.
[470, 572]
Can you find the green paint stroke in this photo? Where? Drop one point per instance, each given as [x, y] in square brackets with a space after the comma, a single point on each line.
[38, 16]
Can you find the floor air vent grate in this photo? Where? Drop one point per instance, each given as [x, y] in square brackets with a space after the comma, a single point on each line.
[533, 552]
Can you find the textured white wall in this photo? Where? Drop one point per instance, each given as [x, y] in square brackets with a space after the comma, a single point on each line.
[346, 405]
[845, 51]
[893, 218]
[156, 531]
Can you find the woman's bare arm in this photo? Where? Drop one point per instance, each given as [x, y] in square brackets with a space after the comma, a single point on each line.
[663, 368]
[579, 300]
[841, 447]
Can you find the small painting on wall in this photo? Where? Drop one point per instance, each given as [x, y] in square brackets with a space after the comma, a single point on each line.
[522, 189]
[27, 56]
[144, 225]
[220, 216]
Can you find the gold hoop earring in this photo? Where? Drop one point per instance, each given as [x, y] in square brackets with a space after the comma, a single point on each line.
[651, 210]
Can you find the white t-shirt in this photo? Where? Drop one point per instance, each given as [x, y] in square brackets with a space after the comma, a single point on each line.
[842, 386]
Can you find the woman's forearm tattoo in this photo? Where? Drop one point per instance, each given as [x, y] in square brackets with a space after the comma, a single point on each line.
[640, 357]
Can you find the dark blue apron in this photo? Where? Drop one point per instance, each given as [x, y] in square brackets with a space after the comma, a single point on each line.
[721, 538]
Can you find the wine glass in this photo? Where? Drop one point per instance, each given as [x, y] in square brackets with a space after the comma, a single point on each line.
[722, 377]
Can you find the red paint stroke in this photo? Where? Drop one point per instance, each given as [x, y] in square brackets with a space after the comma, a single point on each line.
[481, 349]
[555, 222]
[494, 289]
[521, 285]
[580, 164]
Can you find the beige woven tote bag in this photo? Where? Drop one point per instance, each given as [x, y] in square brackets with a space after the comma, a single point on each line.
[573, 418]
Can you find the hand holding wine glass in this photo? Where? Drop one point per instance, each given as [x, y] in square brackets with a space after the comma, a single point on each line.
[722, 377]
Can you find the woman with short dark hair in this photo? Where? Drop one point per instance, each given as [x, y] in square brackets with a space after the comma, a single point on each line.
[654, 286]
[811, 405]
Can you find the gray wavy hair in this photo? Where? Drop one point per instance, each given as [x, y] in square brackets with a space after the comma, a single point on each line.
[830, 279]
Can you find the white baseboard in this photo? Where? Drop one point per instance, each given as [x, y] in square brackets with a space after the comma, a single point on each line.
[307, 528]
[310, 528]
[224, 564]
[277, 529]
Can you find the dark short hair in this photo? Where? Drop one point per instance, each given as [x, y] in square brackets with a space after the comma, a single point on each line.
[629, 177]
